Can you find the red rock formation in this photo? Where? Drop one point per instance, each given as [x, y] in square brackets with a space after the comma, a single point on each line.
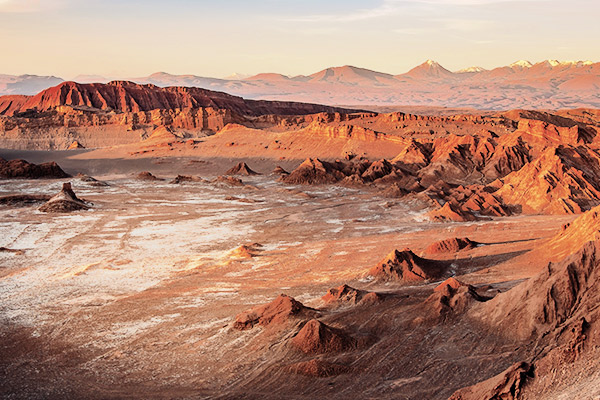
[315, 338]
[466, 203]
[452, 297]
[574, 235]
[228, 180]
[91, 180]
[345, 294]
[507, 385]
[75, 145]
[345, 132]
[562, 180]
[477, 199]
[510, 154]
[402, 178]
[193, 119]
[451, 245]
[464, 159]
[126, 96]
[23, 169]
[449, 284]
[415, 156]
[377, 170]
[394, 191]
[352, 180]
[274, 313]
[162, 133]
[556, 312]
[450, 213]
[64, 201]
[147, 176]
[241, 168]
[562, 292]
[534, 130]
[133, 106]
[452, 160]
[406, 266]
[314, 171]
[11, 104]
[279, 171]
[186, 178]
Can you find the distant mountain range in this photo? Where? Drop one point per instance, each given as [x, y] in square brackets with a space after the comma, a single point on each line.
[26, 84]
[550, 84]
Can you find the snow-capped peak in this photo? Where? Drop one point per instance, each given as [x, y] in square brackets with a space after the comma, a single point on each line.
[556, 63]
[471, 69]
[522, 64]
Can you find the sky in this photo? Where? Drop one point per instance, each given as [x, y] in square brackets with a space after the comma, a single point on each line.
[134, 38]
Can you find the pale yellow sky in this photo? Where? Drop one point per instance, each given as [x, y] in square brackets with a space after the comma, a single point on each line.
[120, 39]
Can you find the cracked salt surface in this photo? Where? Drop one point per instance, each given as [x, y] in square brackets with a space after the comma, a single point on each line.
[91, 258]
[140, 235]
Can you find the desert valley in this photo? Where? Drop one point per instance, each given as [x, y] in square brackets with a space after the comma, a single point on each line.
[200, 245]
[358, 199]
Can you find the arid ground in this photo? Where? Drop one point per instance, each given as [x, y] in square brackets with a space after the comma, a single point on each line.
[148, 282]
[192, 244]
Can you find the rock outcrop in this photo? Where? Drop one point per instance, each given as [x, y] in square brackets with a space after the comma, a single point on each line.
[228, 180]
[564, 291]
[556, 313]
[101, 115]
[274, 313]
[279, 171]
[124, 96]
[394, 191]
[75, 145]
[23, 169]
[314, 171]
[450, 213]
[185, 178]
[64, 201]
[241, 168]
[451, 245]
[92, 181]
[453, 297]
[346, 295]
[377, 170]
[316, 338]
[147, 176]
[574, 235]
[563, 180]
[507, 385]
[406, 266]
